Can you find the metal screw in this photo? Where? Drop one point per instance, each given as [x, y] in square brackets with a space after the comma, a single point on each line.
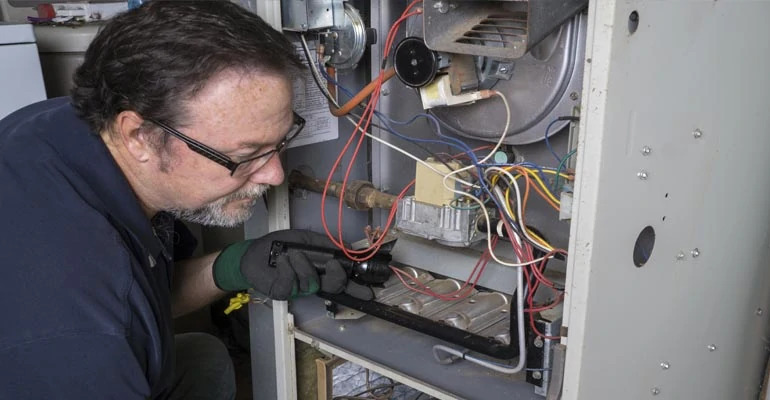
[655, 391]
[342, 328]
[680, 256]
[539, 342]
[503, 69]
[642, 175]
[441, 7]
[759, 311]
[646, 150]
[537, 375]
[665, 365]
[711, 347]
[695, 252]
[573, 96]
[327, 303]
[697, 133]
[385, 92]
[330, 314]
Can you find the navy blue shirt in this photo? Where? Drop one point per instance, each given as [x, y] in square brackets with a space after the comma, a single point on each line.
[84, 280]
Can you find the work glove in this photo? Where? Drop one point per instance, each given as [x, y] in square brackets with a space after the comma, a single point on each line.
[245, 265]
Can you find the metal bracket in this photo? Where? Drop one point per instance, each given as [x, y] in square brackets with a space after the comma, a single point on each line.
[557, 372]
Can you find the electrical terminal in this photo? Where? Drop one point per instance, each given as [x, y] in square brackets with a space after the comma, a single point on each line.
[439, 93]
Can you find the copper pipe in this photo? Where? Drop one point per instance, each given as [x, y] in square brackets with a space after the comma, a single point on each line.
[359, 195]
[359, 97]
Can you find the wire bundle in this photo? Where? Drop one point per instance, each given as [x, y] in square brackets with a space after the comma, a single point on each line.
[362, 126]
[492, 187]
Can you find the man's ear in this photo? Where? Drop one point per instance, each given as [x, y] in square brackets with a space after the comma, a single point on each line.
[135, 140]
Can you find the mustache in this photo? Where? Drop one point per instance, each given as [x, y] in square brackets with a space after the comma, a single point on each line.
[251, 192]
[214, 214]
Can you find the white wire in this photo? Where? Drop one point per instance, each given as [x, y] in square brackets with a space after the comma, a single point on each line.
[519, 275]
[314, 70]
[502, 136]
[500, 196]
[505, 131]
[480, 203]
[413, 157]
[489, 228]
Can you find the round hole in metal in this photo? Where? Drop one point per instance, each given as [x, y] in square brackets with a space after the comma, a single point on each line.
[645, 242]
[633, 22]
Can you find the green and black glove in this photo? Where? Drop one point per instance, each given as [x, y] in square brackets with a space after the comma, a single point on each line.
[245, 265]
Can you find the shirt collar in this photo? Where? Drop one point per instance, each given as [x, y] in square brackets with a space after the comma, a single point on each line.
[107, 189]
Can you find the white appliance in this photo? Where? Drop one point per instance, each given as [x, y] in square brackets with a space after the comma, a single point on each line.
[62, 49]
[21, 79]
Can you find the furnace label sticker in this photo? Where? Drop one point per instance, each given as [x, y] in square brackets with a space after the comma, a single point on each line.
[311, 104]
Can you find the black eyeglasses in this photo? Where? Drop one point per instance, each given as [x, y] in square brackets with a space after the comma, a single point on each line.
[245, 167]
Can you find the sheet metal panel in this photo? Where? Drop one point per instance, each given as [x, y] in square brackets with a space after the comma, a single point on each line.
[681, 326]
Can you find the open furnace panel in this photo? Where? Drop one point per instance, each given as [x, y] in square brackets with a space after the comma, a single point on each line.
[475, 118]
[489, 138]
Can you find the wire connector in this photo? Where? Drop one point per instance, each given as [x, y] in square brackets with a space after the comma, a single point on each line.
[439, 93]
[237, 302]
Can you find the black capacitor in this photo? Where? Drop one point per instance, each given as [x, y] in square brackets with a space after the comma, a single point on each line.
[416, 65]
[374, 271]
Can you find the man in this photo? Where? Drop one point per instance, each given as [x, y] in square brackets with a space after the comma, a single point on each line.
[178, 111]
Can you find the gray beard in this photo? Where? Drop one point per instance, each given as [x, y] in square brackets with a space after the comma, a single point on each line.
[214, 213]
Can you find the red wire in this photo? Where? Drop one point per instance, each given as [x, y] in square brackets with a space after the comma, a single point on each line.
[537, 272]
[460, 293]
[464, 291]
[539, 278]
[548, 306]
[367, 116]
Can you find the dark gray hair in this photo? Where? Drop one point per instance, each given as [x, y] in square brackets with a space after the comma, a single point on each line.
[154, 58]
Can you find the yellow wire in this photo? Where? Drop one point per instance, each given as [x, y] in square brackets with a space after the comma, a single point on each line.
[533, 173]
[513, 216]
[542, 185]
[539, 181]
[563, 175]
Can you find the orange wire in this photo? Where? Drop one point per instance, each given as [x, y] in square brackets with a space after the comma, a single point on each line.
[359, 97]
[367, 116]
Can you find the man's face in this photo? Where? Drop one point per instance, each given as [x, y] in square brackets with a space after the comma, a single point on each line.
[241, 115]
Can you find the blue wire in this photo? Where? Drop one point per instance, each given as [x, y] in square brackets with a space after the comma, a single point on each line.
[459, 144]
[384, 120]
[548, 142]
[539, 168]
[330, 79]
[382, 117]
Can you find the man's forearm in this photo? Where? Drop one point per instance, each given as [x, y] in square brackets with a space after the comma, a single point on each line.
[194, 285]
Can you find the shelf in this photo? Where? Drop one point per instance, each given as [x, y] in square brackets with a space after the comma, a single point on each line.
[403, 354]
